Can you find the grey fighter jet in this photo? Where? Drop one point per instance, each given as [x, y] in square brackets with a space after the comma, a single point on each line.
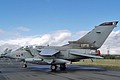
[84, 48]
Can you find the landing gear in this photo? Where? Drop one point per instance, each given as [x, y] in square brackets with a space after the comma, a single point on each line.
[53, 67]
[24, 64]
[62, 67]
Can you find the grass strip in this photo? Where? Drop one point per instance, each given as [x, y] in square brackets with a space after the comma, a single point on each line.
[108, 63]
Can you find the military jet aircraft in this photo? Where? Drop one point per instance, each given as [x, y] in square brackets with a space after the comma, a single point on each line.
[5, 53]
[84, 48]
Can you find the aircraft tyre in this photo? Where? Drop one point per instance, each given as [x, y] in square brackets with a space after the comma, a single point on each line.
[24, 65]
[53, 67]
[62, 67]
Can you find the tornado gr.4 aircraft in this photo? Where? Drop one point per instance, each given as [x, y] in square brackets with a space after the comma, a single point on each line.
[20, 53]
[84, 48]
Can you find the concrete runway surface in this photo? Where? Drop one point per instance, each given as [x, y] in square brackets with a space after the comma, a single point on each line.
[11, 70]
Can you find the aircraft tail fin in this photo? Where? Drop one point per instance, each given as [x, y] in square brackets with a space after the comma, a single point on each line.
[95, 38]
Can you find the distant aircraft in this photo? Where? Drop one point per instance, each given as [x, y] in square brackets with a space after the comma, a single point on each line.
[84, 48]
[5, 53]
[21, 53]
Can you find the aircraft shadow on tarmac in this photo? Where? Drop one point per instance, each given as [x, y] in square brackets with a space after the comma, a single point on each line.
[46, 68]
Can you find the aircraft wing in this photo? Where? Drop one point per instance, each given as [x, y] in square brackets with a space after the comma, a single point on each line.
[85, 55]
[48, 52]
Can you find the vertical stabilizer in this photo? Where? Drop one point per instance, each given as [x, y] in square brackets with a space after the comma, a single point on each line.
[96, 37]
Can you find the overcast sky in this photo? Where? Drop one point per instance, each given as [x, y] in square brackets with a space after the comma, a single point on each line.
[55, 22]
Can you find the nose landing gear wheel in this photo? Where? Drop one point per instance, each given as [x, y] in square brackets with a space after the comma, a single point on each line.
[24, 64]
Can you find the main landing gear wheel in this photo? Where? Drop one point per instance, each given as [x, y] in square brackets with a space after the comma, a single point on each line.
[53, 67]
[62, 67]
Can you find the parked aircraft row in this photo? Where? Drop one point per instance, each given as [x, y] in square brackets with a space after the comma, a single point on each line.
[84, 48]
